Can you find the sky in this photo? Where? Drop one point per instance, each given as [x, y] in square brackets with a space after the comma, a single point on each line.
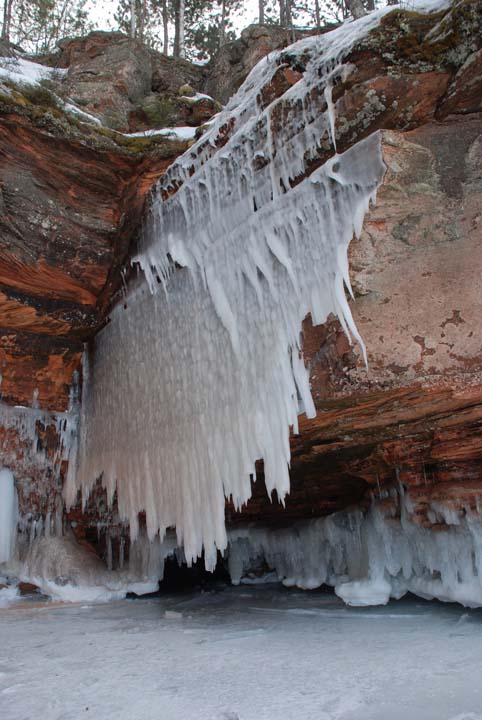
[102, 11]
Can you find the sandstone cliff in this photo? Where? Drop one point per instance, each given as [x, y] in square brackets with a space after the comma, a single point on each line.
[72, 195]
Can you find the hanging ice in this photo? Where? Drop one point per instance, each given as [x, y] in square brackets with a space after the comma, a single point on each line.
[369, 557]
[8, 514]
[202, 374]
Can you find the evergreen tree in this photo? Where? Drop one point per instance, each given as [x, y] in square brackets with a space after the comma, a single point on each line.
[209, 26]
[37, 25]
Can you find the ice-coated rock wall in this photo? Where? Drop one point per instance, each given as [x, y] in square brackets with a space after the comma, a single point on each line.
[201, 373]
[369, 557]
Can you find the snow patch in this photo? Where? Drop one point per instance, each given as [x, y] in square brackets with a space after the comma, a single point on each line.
[178, 133]
[26, 72]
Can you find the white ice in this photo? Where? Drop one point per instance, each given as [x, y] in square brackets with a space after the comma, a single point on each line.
[66, 571]
[241, 654]
[370, 557]
[8, 514]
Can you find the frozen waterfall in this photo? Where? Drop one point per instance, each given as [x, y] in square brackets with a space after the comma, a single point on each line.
[202, 373]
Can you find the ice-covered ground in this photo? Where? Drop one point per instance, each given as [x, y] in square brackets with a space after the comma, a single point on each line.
[252, 653]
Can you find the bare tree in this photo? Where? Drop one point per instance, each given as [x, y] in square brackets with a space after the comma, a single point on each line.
[261, 11]
[182, 9]
[133, 18]
[7, 19]
[179, 15]
[282, 13]
[142, 20]
[165, 25]
[222, 24]
[286, 14]
[317, 14]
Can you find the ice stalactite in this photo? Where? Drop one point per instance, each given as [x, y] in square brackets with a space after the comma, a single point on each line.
[202, 374]
[8, 514]
[25, 422]
[369, 557]
[189, 389]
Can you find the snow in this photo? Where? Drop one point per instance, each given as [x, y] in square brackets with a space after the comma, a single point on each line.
[196, 97]
[81, 114]
[369, 557]
[178, 133]
[8, 514]
[26, 72]
[246, 653]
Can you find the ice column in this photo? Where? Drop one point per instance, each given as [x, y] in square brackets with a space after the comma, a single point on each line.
[8, 514]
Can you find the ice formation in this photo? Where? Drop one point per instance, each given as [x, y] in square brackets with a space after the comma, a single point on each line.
[25, 422]
[64, 570]
[8, 514]
[202, 374]
[369, 557]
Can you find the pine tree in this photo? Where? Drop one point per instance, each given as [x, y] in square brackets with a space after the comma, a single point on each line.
[37, 25]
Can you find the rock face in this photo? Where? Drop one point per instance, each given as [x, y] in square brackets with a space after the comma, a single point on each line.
[235, 60]
[414, 414]
[71, 198]
[127, 85]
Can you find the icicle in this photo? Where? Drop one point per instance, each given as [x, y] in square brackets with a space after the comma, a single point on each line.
[8, 514]
[370, 557]
[109, 551]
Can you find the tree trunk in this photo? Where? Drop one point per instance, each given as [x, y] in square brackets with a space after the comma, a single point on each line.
[175, 50]
[282, 13]
[317, 14]
[289, 19]
[179, 9]
[222, 24]
[165, 23]
[133, 18]
[142, 20]
[261, 12]
[370, 5]
[288, 15]
[182, 7]
[356, 8]
[7, 19]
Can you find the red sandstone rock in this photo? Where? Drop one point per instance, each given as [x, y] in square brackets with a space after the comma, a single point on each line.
[71, 208]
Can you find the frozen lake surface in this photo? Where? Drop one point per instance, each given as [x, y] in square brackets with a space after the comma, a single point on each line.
[247, 653]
